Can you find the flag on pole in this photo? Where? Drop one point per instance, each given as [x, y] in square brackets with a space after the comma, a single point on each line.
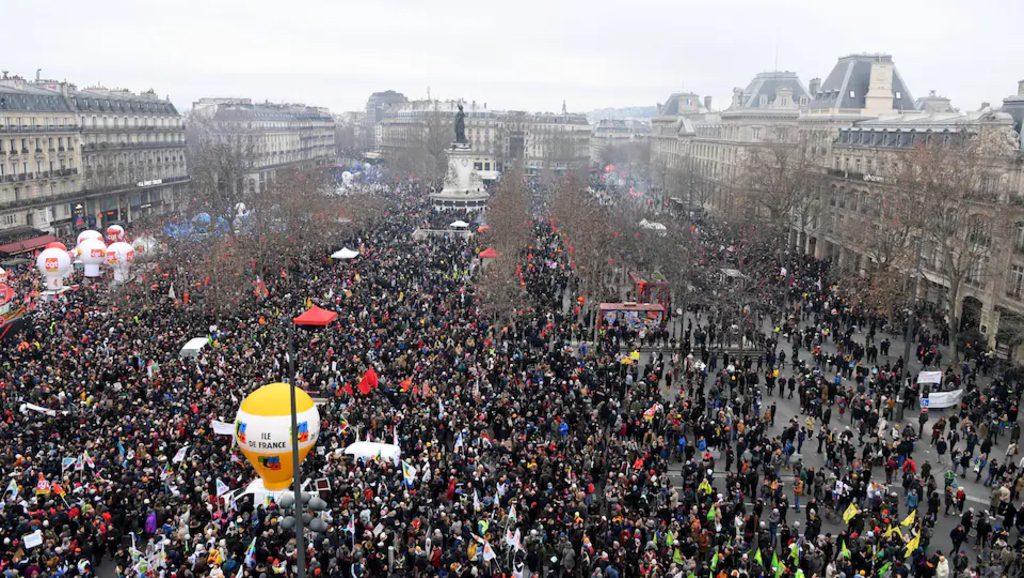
[850, 512]
[489, 552]
[369, 382]
[844, 552]
[180, 456]
[512, 517]
[477, 506]
[67, 463]
[909, 520]
[912, 545]
[88, 460]
[883, 569]
[171, 294]
[222, 488]
[794, 552]
[780, 568]
[757, 558]
[250, 554]
[408, 473]
[714, 561]
[12, 488]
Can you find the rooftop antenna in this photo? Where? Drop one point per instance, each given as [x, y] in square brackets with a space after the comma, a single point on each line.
[38, 71]
[428, 93]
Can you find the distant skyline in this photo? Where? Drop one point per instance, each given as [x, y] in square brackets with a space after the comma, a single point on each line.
[523, 55]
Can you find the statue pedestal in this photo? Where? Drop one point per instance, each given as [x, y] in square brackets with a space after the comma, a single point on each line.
[463, 187]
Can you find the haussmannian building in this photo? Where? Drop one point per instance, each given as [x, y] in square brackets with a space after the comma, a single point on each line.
[275, 137]
[40, 160]
[133, 155]
[853, 126]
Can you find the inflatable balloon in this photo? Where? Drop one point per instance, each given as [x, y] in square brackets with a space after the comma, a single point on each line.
[3, 275]
[115, 234]
[54, 264]
[92, 253]
[263, 432]
[120, 256]
[143, 245]
[56, 245]
[88, 234]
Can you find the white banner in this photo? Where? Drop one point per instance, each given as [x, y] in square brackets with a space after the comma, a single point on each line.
[222, 428]
[942, 399]
[929, 377]
[31, 406]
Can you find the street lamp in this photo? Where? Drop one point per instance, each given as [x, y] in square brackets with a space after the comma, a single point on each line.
[312, 317]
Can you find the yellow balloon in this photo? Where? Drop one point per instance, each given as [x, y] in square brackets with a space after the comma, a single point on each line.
[263, 431]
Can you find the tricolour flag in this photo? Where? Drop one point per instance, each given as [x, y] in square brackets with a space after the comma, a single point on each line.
[67, 463]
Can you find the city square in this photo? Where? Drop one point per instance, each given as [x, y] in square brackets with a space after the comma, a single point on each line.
[772, 335]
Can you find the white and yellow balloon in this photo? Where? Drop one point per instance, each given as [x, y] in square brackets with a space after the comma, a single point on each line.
[263, 432]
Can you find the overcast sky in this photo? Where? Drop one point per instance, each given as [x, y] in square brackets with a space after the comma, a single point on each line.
[516, 54]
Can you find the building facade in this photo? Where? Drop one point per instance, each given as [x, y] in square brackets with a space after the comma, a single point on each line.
[271, 137]
[854, 128]
[133, 155]
[609, 133]
[499, 139]
[40, 157]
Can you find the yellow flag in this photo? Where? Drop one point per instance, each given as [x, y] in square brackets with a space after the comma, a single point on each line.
[912, 545]
[909, 520]
[850, 512]
[889, 531]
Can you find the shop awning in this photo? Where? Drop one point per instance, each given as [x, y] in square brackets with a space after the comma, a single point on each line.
[27, 245]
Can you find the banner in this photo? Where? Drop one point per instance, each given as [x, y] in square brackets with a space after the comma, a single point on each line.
[942, 399]
[929, 377]
[223, 428]
[31, 406]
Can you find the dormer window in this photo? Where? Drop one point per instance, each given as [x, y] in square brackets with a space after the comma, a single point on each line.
[764, 99]
[898, 95]
[853, 94]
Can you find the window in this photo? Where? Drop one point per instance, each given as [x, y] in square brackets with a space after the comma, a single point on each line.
[976, 273]
[1018, 237]
[1015, 282]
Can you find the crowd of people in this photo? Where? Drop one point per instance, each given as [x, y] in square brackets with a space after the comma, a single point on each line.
[537, 451]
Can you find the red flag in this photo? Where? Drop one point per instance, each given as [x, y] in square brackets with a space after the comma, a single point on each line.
[347, 389]
[406, 384]
[185, 297]
[261, 289]
[369, 381]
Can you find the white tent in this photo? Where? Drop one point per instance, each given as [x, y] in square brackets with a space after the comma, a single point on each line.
[459, 225]
[194, 346]
[344, 253]
[370, 450]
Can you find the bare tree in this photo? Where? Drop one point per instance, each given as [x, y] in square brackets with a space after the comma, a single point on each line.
[943, 180]
[219, 163]
[779, 182]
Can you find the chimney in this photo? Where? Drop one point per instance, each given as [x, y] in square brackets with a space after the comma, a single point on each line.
[880, 90]
[707, 103]
[985, 105]
[1020, 87]
[814, 87]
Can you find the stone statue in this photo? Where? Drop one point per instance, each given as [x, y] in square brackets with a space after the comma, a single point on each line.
[460, 126]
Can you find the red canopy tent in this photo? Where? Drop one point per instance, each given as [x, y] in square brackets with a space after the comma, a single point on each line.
[315, 317]
[489, 253]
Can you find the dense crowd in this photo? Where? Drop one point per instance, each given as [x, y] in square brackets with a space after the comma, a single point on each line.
[535, 453]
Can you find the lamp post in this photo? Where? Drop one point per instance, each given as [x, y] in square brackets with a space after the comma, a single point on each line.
[313, 317]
